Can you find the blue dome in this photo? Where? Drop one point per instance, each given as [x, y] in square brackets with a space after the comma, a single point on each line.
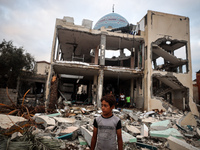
[112, 20]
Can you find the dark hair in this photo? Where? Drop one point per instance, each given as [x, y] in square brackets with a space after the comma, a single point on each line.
[109, 98]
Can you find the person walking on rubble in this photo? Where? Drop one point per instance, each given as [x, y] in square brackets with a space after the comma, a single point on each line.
[106, 127]
[122, 99]
[128, 101]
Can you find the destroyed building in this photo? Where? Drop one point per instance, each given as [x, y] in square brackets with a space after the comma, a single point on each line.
[157, 68]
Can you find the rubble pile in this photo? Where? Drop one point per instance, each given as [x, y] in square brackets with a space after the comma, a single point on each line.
[71, 128]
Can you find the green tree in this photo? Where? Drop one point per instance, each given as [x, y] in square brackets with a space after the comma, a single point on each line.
[13, 62]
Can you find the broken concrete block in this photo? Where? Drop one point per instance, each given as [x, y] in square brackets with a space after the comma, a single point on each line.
[47, 121]
[144, 130]
[149, 120]
[166, 133]
[127, 137]
[188, 120]
[149, 113]
[193, 108]
[69, 19]
[7, 121]
[87, 23]
[65, 120]
[198, 132]
[54, 115]
[135, 117]
[127, 111]
[176, 144]
[82, 140]
[16, 135]
[86, 134]
[36, 131]
[116, 111]
[68, 130]
[49, 128]
[160, 125]
[133, 129]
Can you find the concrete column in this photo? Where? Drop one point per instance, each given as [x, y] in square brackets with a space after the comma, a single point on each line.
[121, 55]
[96, 58]
[103, 47]
[89, 89]
[180, 69]
[100, 87]
[132, 91]
[143, 49]
[48, 86]
[48, 82]
[58, 50]
[154, 63]
[132, 59]
[94, 90]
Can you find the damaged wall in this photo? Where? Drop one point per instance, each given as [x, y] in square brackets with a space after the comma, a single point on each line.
[175, 29]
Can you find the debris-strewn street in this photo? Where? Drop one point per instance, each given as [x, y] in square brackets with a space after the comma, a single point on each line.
[71, 128]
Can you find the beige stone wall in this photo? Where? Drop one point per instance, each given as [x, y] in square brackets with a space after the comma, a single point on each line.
[42, 68]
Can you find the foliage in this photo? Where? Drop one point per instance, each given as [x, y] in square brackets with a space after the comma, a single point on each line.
[13, 61]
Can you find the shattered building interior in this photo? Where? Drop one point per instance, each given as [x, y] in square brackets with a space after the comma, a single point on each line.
[154, 61]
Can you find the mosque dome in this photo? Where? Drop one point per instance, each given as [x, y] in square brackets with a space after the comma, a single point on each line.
[111, 20]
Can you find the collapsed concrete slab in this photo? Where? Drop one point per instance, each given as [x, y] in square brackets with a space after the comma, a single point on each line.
[149, 120]
[7, 121]
[65, 120]
[166, 133]
[160, 125]
[193, 108]
[135, 117]
[133, 129]
[45, 120]
[127, 137]
[86, 134]
[68, 130]
[144, 130]
[188, 120]
[176, 144]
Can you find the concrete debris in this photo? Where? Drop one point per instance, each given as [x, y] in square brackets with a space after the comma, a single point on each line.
[166, 133]
[175, 144]
[160, 125]
[73, 127]
[144, 131]
[188, 120]
[133, 129]
[7, 120]
[128, 137]
[65, 120]
[16, 135]
[45, 121]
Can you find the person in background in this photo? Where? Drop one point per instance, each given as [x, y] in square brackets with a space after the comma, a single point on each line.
[128, 101]
[122, 99]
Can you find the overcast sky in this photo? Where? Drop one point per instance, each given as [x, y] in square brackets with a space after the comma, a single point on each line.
[30, 23]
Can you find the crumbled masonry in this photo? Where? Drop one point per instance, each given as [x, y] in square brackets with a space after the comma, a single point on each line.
[140, 129]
